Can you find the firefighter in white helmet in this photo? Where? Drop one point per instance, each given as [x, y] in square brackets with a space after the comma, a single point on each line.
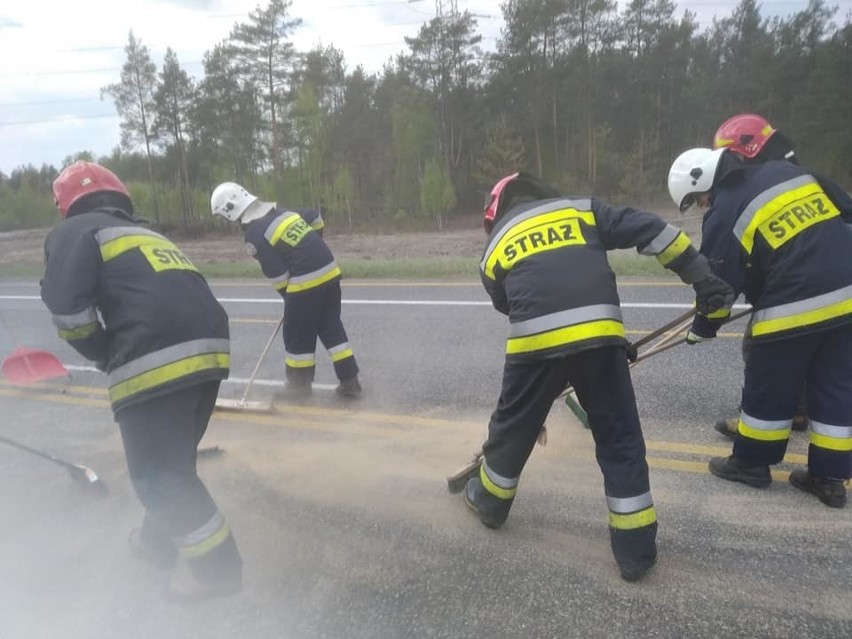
[775, 235]
[289, 246]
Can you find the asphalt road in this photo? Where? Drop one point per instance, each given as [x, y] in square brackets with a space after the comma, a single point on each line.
[342, 514]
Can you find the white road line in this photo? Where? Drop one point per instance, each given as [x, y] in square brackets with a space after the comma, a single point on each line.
[357, 302]
[230, 380]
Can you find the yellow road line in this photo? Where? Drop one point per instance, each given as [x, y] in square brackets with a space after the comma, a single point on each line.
[337, 419]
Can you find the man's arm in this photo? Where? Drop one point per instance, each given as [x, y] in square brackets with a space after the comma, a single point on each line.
[68, 289]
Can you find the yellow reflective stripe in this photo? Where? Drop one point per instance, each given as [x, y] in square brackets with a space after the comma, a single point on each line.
[843, 445]
[494, 489]
[763, 435]
[318, 224]
[114, 248]
[675, 249]
[336, 357]
[799, 320]
[280, 286]
[569, 216]
[322, 279]
[167, 373]
[633, 520]
[565, 335]
[203, 547]
[81, 332]
[776, 205]
[298, 363]
[282, 226]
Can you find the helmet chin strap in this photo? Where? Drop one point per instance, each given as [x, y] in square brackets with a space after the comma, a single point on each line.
[257, 210]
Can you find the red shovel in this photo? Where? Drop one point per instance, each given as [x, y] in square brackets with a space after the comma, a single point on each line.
[28, 365]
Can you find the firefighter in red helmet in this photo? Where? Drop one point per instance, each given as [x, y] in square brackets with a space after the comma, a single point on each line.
[752, 138]
[773, 232]
[545, 267]
[129, 300]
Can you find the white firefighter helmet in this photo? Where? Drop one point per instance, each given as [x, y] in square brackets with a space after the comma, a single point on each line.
[692, 173]
[233, 202]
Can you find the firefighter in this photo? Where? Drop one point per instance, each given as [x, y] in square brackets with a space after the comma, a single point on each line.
[545, 266]
[773, 233]
[129, 300]
[292, 254]
[755, 141]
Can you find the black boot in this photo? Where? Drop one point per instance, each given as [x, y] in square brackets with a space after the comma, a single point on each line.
[727, 427]
[154, 547]
[349, 388]
[831, 492]
[732, 469]
[217, 573]
[293, 392]
[492, 510]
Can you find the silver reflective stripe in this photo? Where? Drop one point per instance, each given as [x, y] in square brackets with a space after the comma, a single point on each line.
[75, 320]
[307, 277]
[765, 424]
[835, 432]
[281, 279]
[167, 356]
[270, 230]
[500, 481]
[764, 198]
[661, 242]
[803, 306]
[550, 207]
[339, 348]
[113, 233]
[565, 318]
[203, 532]
[626, 505]
[300, 357]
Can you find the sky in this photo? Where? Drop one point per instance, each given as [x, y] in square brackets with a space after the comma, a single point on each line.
[56, 56]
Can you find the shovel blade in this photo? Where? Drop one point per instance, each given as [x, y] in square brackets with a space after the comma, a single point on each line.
[28, 365]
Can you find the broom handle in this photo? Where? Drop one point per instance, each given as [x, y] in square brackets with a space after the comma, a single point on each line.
[261, 358]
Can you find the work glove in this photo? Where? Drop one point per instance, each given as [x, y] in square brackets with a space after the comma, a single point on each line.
[702, 330]
[632, 352]
[712, 294]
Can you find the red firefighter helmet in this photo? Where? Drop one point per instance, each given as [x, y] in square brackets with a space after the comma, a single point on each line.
[493, 200]
[84, 178]
[745, 134]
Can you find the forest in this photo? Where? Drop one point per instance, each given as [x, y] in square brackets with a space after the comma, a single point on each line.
[595, 99]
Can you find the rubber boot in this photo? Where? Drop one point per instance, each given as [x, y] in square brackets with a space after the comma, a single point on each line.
[293, 392]
[831, 492]
[349, 388]
[732, 469]
[492, 510]
[151, 546]
[217, 573]
[727, 427]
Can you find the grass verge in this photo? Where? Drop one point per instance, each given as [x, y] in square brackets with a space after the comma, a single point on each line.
[623, 263]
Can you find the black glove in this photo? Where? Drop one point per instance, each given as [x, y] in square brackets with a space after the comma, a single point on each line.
[711, 294]
[632, 352]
